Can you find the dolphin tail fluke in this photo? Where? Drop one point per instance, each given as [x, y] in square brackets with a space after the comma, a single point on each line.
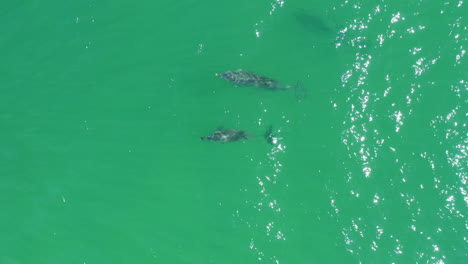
[268, 131]
[299, 90]
[270, 138]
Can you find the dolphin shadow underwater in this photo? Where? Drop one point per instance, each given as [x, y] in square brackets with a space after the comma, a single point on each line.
[337, 35]
[313, 23]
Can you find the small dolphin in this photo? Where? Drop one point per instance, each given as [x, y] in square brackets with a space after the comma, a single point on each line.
[226, 135]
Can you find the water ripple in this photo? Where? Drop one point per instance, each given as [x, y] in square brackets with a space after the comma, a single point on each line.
[403, 192]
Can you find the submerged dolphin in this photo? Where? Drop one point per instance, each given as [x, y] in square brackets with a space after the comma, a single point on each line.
[312, 22]
[245, 78]
[226, 135]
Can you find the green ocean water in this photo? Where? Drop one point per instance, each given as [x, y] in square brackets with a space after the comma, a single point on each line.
[103, 104]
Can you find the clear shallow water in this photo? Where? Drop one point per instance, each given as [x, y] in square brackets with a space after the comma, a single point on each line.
[103, 105]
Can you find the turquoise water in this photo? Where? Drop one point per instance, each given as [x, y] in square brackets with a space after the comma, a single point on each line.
[103, 104]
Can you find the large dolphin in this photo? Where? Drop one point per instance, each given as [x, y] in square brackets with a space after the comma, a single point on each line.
[245, 78]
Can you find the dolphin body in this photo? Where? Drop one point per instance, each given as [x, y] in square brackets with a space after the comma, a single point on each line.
[226, 135]
[245, 78]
